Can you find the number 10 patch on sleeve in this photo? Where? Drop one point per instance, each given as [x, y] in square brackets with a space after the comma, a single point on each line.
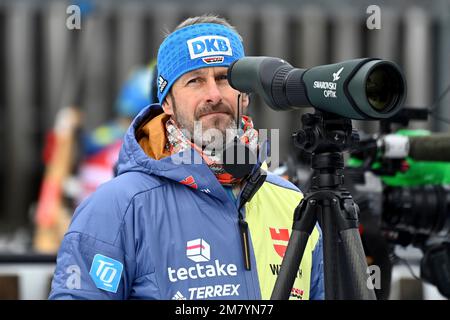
[106, 273]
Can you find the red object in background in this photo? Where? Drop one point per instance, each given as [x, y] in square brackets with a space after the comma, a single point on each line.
[404, 166]
[360, 229]
[49, 197]
[49, 146]
[98, 169]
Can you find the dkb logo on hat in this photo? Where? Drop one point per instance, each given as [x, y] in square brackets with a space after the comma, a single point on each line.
[209, 45]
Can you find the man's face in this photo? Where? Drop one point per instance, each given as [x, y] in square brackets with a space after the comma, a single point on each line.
[204, 96]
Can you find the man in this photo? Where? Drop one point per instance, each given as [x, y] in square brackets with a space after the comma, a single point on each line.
[175, 224]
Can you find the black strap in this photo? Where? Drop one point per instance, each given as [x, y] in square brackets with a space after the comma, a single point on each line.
[251, 185]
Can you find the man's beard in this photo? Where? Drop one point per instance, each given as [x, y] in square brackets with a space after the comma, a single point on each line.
[212, 139]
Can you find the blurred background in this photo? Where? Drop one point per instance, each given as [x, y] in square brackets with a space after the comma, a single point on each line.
[46, 67]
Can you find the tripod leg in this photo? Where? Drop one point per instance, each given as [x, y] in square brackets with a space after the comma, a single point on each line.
[331, 255]
[345, 264]
[357, 264]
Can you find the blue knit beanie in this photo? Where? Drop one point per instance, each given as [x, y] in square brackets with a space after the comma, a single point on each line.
[194, 47]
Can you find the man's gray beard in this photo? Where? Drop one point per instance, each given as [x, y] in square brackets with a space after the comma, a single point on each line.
[214, 140]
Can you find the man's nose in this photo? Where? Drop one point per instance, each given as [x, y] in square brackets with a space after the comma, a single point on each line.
[213, 93]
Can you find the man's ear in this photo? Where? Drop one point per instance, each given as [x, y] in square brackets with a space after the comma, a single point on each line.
[167, 104]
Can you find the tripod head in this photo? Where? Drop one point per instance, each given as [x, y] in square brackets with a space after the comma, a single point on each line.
[326, 136]
[325, 132]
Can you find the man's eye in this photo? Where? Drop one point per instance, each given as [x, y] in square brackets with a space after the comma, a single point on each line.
[193, 80]
[222, 77]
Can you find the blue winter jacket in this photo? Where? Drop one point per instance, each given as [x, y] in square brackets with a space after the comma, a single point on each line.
[168, 230]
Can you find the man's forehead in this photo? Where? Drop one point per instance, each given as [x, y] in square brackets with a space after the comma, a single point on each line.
[204, 71]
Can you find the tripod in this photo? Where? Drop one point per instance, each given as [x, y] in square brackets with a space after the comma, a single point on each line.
[326, 136]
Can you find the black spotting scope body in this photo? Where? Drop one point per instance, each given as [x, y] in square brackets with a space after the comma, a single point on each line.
[363, 89]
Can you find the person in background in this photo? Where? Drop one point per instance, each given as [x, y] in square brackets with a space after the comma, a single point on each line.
[66, 182]
[101, 147]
